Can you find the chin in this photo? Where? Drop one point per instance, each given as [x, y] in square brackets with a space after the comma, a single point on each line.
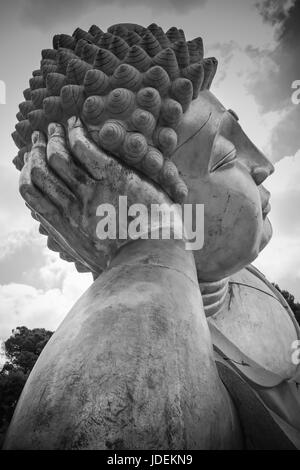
[267, 233]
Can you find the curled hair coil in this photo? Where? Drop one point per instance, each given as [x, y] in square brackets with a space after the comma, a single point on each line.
[96, 82]
[93, 109]
[157, 77]
[53, 109]
[134, 147]
[106, 61]
[126, 76]
[76, 71]
[112, 135]
[72, 97]
[54, 83]
[138, 58]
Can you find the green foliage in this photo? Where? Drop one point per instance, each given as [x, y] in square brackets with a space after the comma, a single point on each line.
[22, 349]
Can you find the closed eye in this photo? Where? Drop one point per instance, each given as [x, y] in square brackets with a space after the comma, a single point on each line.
[228, 158]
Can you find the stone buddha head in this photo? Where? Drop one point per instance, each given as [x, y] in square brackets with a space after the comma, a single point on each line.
[129, 112]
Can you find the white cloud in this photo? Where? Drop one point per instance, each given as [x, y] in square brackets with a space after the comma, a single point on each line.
[21, 304]
[231, 87]
[11, 242]
[55, 270]
[37, 288]
[280, 260]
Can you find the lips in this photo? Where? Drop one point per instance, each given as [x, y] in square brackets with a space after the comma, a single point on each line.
[266, 209]
[265, 198]
[265, 204]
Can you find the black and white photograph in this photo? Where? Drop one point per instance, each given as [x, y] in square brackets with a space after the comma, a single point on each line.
[150, 228]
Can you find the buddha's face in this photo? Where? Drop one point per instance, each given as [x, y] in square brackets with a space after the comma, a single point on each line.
[224, 170]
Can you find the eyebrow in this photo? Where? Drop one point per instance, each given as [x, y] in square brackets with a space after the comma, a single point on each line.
[233, 113]
[193, 135]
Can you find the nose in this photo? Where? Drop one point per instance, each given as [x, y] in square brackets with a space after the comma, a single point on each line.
[260, 173]
[255, 161]
[259, 165]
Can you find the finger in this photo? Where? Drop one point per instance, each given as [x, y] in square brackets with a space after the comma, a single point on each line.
[44, 179]
[105, 167]
[82, 268]
[55, 237]
[66, 257]
[85, 151]
[64, 237]
[26, 157]
[34, 199]
[61, 161]
[52, 244]
[51, 222]
[38, 141]
[42, 230]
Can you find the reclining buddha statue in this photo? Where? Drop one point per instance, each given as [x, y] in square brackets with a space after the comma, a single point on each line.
[169, 348]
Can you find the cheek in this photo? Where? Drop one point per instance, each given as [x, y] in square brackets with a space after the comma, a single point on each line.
[238, 220]
[267, 233]
[233, 220]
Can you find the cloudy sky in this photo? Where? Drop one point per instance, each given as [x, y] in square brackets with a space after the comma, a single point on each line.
[257, 44]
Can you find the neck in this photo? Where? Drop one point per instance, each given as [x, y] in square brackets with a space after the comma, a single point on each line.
[172, 254]
[139, 350]
[213, 295]
[164, 253]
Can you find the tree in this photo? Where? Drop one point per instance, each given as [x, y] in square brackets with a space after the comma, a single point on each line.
[24, 346]
[295, 306]
[22, 349]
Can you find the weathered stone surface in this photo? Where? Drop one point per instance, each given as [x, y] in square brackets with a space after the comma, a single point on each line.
[131, 367]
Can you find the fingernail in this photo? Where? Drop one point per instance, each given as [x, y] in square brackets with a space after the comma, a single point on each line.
[37, 138]
[26, 157]
[72, 121]
[55, 129]
[51, 128]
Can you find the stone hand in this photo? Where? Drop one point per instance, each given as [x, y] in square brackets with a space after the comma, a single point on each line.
[65, 180]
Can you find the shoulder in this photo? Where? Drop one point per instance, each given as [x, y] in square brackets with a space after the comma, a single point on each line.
[258, 321]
